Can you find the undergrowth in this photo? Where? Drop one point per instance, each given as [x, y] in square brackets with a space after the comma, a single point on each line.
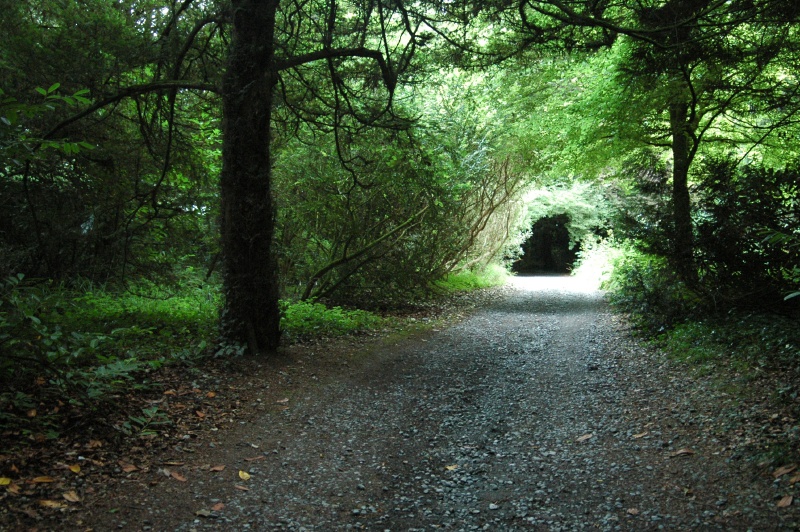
[466, 280]
[692, 328]
[67, 352]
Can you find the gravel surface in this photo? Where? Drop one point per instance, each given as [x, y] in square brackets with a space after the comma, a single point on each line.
[536, 412]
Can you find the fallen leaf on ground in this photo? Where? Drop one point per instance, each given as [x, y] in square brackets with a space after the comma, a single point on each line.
[784, 470]
[243, 488]
[785, 502]
[795, 479]
[177, 476]
[282, 401]
[13, 489]
[217, 507]
[244, 475]
[585, 437]
[173, 463]
[51, 504]
[218, 468]
[200, 414]
[262, 457]
[681, 452]
[72, 496]
[633, 511]
[211, 395]
[93, 444]
[203, 513]
[75, 468]
[32, 412]
[5, 481]
[452, 467]
[640, 435]
[127, 468]
[42, 480]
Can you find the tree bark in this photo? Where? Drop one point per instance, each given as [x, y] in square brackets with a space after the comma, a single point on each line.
[683, 238]
[250, 314]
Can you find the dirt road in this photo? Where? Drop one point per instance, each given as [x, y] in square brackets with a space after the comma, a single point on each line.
[538, 412]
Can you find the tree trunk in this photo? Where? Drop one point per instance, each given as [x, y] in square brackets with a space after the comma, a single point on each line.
[683, 239]
[250, 314]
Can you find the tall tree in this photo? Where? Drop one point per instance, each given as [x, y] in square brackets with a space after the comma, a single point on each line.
[271, 46]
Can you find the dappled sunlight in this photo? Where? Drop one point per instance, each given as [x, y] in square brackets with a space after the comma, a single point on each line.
[585, 283]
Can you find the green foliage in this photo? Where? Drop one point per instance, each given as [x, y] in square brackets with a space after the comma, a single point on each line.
[306, 319]
[466, 280]
[748, 343]
[144, 425]
[83, 348]
[747, 232]
[644, 286]
[586, 205]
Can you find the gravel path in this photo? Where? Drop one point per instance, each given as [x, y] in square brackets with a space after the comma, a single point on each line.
[535, 413]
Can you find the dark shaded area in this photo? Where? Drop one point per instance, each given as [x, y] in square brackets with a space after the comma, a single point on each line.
[548, 248]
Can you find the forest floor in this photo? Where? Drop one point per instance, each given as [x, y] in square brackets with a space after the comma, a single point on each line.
[534, 410]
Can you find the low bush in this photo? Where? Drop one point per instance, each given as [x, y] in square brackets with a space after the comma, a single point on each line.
[644, 286]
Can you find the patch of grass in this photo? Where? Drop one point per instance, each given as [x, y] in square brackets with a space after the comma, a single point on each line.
[305, 319]
[466, 280]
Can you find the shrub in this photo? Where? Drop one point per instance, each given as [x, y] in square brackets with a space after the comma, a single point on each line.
[646, 287]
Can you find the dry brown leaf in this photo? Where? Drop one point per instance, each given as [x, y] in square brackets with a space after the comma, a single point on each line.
[244, 475]
[127, 468]
[242, 488]
[200, 414]
[681, 452]
[170, 392]
[261, 457]
[633, 511]
[93, 444]
[585, 437]
[282, 401]
[173, 463]
[640, 435]
[31, 412]
[795, 479]
[42, 480]
[51, 504]
[14, 468]
[177, 476]
[13, 489]
[218, 468]
[72, 496]
[75, 468]
[211, 395]
[217, 507]
[784, 470]
[785, 502]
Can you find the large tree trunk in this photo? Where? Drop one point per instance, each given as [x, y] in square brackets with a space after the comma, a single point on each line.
[683, 239]
[251, 313]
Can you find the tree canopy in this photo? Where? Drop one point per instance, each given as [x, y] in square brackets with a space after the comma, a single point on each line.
[358, 151]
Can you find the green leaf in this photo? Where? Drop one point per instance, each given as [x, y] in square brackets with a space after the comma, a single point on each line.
[41, 91]
[54, 87]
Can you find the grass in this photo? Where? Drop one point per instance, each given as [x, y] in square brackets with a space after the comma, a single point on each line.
[466, 280]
